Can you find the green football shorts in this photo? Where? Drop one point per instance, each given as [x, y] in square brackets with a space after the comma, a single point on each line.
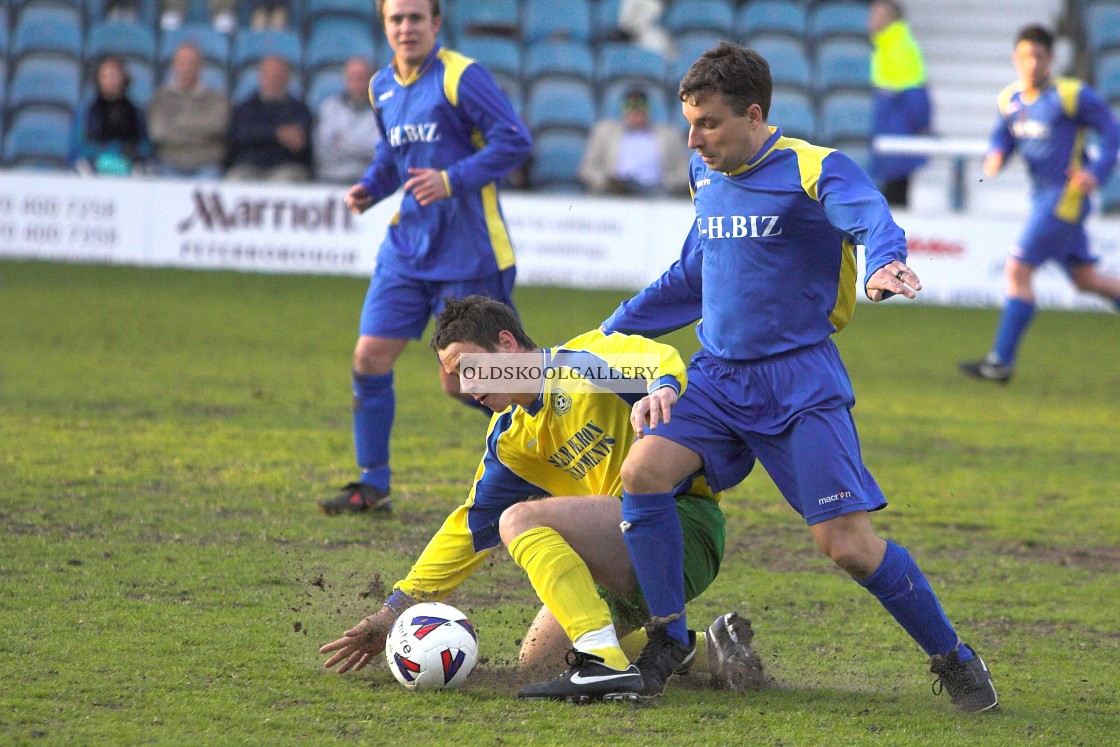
[704, 531]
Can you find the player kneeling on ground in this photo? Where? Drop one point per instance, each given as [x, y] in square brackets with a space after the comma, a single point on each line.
[561, 437]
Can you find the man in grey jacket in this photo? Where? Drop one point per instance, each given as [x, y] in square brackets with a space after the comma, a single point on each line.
[187, 120]
[346, 130]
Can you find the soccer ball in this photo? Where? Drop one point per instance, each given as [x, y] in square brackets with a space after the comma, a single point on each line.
[432, 646]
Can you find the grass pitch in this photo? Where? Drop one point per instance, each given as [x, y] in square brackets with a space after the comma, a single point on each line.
[165, 577]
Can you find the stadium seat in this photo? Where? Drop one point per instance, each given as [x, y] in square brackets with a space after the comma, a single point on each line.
[659, 111]
[550, 20]
[247, 83]
[558, 59]
[47, 30]
[841, 18]
[772, 17]
[491, 18]
[325, 83]
[560, 104]
[605, 26]
[789, 63]
[363, 12]
[1102, 26]
[842, 63]
[249, 47]
[555, 163]
[334, 40]
[1107, 76]
[47, 118]
[713, 16]
[502, 57]
[44, 82]
[129, 41]
[618, 61]
[844, 116]
[37, 146]
[793, 112]
[1110, 196]
[147, 11]
[213, 44]
[689, 47]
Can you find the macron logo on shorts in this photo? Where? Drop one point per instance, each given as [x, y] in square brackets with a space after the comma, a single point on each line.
[834, 497]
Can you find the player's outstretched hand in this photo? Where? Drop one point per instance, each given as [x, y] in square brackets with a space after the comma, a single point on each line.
[652, 410]
[427, 185]
[361, 643]
[358, 200]
[894, 278]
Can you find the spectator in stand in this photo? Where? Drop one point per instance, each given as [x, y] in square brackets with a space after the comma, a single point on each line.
[223, 14]
[270, 133]
[269, 14]
[901, 104]
[110, 135]
[634, 156]
[188, 120]
[346, 131]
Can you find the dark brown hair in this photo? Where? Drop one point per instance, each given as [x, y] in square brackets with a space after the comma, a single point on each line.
[742, 75]
[1036, 34]
[381, 9]
[477, 320]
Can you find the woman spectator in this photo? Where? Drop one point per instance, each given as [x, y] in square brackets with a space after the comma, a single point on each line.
[110, 136]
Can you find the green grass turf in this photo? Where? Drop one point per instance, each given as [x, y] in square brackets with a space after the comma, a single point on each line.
[165, 577]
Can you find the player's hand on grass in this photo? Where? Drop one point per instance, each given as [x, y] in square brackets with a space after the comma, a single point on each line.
[358, 200]
[652, 410]
[893, 278]
[427, 185]
[361, 643]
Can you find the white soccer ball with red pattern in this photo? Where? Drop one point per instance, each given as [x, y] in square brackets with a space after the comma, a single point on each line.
[432, 646]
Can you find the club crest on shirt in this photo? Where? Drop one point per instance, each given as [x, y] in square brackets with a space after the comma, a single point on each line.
[561, 402]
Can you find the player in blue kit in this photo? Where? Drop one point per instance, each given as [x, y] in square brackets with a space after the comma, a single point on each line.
[448, 134]
[1046, 121]
[770, 266]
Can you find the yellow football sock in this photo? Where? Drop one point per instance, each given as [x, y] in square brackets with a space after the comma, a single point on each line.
[633, 643]
[564, 584]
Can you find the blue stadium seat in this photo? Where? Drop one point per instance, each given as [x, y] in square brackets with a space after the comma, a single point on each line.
[147, 11]
[689, 47]
[246, 84]
[1110, 196]
[213, 44]
[502, 57]
[325, 83]
[842, 63]
[789, 62]
[558, 59]
[844, 116]
[560, 104]
[363, 12]
[47, 30]
[617, 61]
[842, 18]
[548, 19]
[786, 17]
[1107, 76]
[1102, 26]
[605, 26]
[49, 118]
[793, 112]
[129, 41]
[249, 47]
[555, 163]
[44, 82]
[490, 18]
[714, 16]
[37, 146]
[334, 40]
[659, 110]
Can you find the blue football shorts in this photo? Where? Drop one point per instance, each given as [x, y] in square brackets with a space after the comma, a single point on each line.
[793, 413]
[1047, 237]
[399, 307]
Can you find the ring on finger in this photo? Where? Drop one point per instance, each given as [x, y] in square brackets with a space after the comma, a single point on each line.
[900, 274]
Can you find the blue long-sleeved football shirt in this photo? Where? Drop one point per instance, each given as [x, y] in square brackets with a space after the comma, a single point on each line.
[449, 115]
[770, 262]
[1049, 132]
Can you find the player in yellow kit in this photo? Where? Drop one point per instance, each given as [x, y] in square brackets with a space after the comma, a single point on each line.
[561, 437]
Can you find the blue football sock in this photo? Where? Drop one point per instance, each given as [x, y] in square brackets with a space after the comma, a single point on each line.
[899, 586]
[656, 545]
[374, 405]
[1013, 323]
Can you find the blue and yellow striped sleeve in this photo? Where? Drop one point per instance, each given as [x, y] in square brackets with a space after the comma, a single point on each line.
[623, 353]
